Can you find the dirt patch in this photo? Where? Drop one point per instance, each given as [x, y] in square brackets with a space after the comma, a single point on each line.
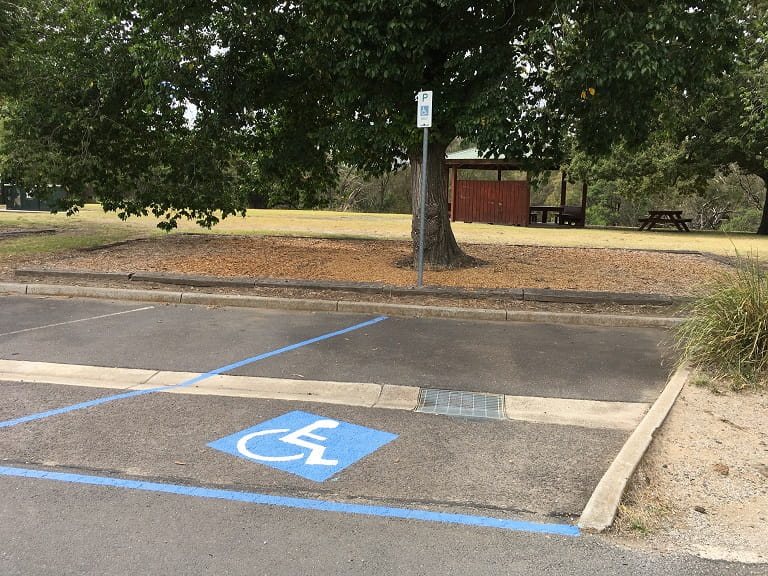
[702, 488]
[12, 231]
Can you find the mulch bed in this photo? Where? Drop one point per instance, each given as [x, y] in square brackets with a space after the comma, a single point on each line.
[504, 266]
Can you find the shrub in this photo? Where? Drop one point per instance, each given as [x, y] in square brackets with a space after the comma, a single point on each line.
[726, 332]
[743, 221]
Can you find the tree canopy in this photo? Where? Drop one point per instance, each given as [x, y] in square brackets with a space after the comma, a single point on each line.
[283, 92]
[695, 137]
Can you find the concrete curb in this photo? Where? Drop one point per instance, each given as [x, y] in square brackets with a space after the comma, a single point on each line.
[525, 294]
[405, 310]
[258, 302]
[600, 511]
[558, 411]
[95, 292]
[362, 394]
[6, 288]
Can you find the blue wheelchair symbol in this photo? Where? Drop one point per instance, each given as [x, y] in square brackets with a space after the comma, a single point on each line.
[292, 443]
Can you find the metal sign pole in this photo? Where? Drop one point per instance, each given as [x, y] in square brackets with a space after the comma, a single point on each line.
[423, 202]
[423, 120]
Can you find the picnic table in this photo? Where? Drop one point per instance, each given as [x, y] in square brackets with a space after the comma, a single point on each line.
[662, 217]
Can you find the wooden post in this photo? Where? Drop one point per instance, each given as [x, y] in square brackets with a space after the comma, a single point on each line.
[454, 184]
[528, 193]
[448, 191]
[562, 189]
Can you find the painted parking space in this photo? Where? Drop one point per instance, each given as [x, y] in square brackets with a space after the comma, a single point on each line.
[589, 363]
[193, 380]
[505, 469]
[167, 337]
[137, 483]
[557, 361]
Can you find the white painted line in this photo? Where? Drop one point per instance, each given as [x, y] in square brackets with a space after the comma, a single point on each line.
[572, 412]
[76, 321]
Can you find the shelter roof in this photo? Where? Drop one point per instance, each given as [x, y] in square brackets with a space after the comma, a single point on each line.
[474, 159]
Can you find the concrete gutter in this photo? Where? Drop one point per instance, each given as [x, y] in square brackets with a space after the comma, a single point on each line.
[600, 511]
[406, 310]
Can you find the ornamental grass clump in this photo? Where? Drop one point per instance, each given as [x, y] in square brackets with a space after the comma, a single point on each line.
[726, 332]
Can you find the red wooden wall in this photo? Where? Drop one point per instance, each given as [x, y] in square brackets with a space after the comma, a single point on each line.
[492, 201]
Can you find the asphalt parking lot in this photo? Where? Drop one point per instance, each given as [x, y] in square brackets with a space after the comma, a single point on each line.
[522, 468]
[516, 472]
[622, 364]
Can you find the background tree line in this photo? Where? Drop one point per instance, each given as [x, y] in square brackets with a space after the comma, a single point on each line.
[196, 109]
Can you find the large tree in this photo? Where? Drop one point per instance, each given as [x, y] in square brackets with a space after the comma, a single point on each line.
[310, 84]
[97, 106]
[513, 77]
[12, 15]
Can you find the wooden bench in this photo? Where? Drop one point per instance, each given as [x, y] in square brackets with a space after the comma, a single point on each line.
[542, 212]
[570, 215]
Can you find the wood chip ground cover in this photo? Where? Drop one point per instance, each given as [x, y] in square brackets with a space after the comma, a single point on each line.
[504, 266]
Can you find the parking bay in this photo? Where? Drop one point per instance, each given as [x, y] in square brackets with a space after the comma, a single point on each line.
[503, 467]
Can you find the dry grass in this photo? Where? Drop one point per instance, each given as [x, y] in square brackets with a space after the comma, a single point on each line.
[398, 227]
[644, 510]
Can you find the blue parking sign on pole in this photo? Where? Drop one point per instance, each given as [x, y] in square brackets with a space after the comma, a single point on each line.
[304, 444]
[424, 109]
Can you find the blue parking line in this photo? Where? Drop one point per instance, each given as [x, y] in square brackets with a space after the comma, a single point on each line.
[190, 382]
[297, 503]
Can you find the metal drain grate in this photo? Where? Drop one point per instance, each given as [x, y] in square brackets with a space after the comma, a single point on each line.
[462, 404]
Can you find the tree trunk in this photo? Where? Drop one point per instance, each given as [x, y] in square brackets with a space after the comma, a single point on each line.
[763, 229]
[440, 247]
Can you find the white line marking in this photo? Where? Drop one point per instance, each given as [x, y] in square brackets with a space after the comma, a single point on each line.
[76, 321]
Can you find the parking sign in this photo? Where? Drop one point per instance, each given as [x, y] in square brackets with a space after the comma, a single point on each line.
[424, 112]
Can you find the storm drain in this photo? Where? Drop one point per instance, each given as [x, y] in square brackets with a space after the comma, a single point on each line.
[461, 404]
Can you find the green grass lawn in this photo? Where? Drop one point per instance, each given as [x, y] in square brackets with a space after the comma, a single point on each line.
[92, 227]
